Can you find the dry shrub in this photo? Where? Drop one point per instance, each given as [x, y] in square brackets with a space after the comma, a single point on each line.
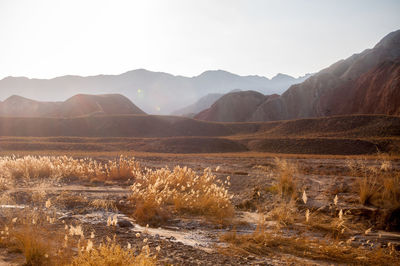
[180, 190]
[286, 181]
[111, 253]
[378, 184]
[57, 167]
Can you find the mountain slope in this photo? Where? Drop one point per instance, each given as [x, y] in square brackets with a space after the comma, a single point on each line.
[78, 105]
[153, 92]
[365, 83]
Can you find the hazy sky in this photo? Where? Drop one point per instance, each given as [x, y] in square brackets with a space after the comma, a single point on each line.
[45, 39]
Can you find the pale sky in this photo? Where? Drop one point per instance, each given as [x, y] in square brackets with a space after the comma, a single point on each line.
[44, 39]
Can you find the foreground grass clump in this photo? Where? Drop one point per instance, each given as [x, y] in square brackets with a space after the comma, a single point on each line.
[158, 192]
[35, 236]
[111, 253]
[56, 167]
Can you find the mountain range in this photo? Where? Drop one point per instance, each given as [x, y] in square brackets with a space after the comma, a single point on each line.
[364, 83]
[153, 92]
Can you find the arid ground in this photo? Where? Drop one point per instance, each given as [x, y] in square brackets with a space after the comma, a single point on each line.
[298, 209]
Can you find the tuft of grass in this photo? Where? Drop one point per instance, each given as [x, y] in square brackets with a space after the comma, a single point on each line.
[108, 205]
[33, 246]
[182, 191]
[32, 233]
[368, 189]
[111, 253]
[286, 180]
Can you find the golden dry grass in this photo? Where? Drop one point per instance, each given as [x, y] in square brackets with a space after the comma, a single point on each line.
[286, 178]
[58, 167]
[111, 253]
[180, 190]
[378, 184]
[32, 232]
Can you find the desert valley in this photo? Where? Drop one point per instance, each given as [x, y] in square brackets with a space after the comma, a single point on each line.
[149, 168]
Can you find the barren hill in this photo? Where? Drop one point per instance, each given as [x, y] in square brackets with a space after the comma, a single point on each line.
[78, 105]
[365, 83]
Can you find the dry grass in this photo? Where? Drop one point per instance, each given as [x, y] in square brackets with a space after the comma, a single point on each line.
[264, 243]
[58, 167]
[284, 213]
[378, 183]
[33, 233]
[42, 241]
[181, 191]
[286, 180]
[111, 253]
[108, 205]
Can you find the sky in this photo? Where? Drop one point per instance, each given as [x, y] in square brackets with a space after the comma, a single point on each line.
[49, 38]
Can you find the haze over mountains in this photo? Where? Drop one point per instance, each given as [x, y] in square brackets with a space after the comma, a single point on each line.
[153, 92]
[78, 105]
[365, 83]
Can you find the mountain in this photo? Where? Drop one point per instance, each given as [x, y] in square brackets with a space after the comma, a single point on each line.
[234, 107]
[153, 92]
[364, 83]
[78, 105]
[201, 104]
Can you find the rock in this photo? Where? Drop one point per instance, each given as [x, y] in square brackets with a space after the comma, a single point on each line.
[124, 223]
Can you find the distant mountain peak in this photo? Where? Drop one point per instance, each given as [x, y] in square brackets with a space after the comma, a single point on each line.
[217, 73]
[281, 76]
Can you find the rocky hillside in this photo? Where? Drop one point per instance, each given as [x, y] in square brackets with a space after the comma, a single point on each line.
[365, 83]
[78, 105]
